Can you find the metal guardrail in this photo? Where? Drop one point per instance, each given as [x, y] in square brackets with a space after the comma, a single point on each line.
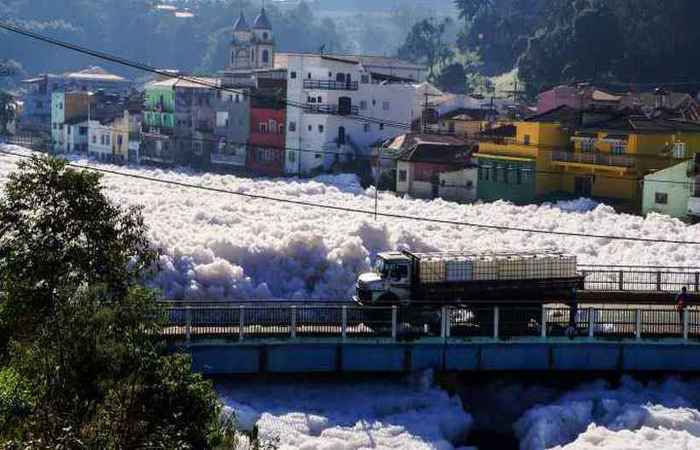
[328, 109]
[640, 279]
[238, 323]
[597, 158]
[331, 85]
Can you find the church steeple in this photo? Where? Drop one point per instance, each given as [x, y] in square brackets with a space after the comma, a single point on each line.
[252, 48]
[262, 22]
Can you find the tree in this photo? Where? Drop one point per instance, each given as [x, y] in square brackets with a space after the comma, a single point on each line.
[7, 111]
[453, 79]
[82, 364]
[425, 44]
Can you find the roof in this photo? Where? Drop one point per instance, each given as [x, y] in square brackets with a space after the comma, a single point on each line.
[366, 60]
[433, 148]
[241, 24]
[189, 82]
[466, 114]
[262, 22]
[636, 124]
[602, 96]
[95, 73]
[559, 114]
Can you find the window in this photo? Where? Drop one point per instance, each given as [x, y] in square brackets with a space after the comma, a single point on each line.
[265, 36]
[60, 106]
[386, 106]
[265, 56]
[310, 99]
[222, 119]
[320, 128]
[317, 156]
[364, 79]
[381, 126]
[366, 127]
[94, 139]
[679, 150]
[119, 141]
[661, 198]
[102, 139]
[310, 127]
[330, 74]
[320, 99]
[82, 131]
[526, 139]
[108, 140]
[308, 75]
[238, 98]
[292, 157]
[374, 102]
[272, 126]
[292, 75]
[618, 148]
[292, 126]
[363, 104]
[402, 176]
[69, 130]
[262, 127]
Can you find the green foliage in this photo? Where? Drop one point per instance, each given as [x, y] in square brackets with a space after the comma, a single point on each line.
[559, 41]
[426, 44]
[82, 363]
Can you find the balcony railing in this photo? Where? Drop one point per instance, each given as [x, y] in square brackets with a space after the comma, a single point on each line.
[601, 159]
[329, 109]
[330, 85]
[151, 130]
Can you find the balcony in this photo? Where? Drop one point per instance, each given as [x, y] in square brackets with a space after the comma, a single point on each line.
[330, 85]
[153, 131]
[328, 109]
[599, 159]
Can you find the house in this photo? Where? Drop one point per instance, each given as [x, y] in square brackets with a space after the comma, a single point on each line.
[432, 166]
[580, 97]
[610, 158]
[266, 151]
[179, 121]
[334, 102]
[68, 109]
[38, 100]
[514, 159]
[232, 126]
[463, 122]
[674, 191]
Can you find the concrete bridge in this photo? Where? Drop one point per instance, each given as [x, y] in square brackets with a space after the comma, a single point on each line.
[625, 320]
[244, 339]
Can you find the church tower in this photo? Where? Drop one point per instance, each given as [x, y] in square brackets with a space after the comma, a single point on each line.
[264, 41]
[242, 52]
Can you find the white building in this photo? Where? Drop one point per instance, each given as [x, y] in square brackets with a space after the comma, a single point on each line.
[100, 140]
[334, 102]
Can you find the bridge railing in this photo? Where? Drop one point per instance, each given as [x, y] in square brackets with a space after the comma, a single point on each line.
[640, 279]
[239, 323]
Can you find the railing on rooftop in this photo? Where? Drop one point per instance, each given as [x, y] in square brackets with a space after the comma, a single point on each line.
[237, 323]
[328, 109]
[331, 85]
[597, 158]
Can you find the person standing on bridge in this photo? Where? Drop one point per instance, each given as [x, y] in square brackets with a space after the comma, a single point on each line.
[682, 303]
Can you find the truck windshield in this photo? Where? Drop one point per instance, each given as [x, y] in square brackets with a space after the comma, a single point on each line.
[382, 268]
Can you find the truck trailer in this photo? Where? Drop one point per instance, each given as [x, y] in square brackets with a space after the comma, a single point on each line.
[451, 278]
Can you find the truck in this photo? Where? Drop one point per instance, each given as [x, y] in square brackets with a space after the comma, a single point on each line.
[428, 281]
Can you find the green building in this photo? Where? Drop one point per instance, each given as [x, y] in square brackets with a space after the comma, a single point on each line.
[506, 178]
[670, 191]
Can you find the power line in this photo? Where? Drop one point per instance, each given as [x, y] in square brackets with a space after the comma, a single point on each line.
[365, 211]
[194, 80]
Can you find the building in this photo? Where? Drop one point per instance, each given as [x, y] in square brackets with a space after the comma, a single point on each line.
[432, 166]
[672, 191]
[268, 110]
[609, 159]
[463, 122]
[580, 97]
[514, 159]
[232, 126]
[179, 120]
[38, 100]
[252, 48]
[333, 103]
[68, 110]
[100, 140]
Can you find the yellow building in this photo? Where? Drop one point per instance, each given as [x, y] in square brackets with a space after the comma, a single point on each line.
[515, 159]
[610, 159]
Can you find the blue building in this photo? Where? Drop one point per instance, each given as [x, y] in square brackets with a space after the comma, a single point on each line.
[37, 102]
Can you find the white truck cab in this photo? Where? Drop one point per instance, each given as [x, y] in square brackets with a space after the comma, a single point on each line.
[389, 282]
